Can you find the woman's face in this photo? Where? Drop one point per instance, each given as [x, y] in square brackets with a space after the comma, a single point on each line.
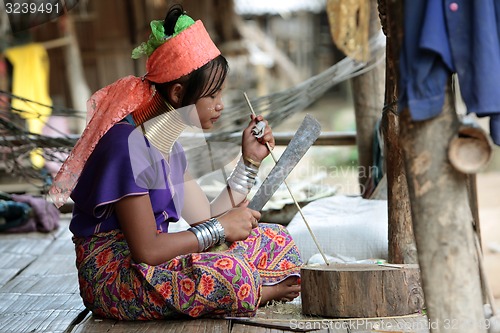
[209, 108]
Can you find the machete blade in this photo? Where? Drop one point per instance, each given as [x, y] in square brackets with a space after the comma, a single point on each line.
[302, 140]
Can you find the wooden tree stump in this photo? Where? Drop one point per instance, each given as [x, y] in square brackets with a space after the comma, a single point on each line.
[361, 291]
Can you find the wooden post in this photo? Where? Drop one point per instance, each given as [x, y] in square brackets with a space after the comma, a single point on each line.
[442, 223]
[368, 98]
[402, 248]
[80, 91]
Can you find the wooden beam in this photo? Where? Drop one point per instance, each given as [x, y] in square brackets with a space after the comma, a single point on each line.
[55, 43]
[80, 91]
[402, 248]
[368, 98]
[252, 32]
[282, 139]
[325, 138]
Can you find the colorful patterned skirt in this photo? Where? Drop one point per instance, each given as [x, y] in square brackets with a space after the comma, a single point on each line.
[215, 284]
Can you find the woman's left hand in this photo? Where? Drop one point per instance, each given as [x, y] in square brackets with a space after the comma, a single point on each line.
[255, 148]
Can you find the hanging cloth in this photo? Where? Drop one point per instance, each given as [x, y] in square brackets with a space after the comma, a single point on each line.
[349, 26]
[31, 81]
[445, 37]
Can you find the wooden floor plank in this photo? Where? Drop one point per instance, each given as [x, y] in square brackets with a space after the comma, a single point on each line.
[94, 325]
[52, 265]
[24, 305]
[18, 251]
[61, 246]
[59, 320]
[13, 261]
[57, 311]
[39, 285]
[13, 265]
[28, 243]
[242, 328]
[6, 300]
[268, 322]
[285, 326]
[288, 318]
[55, 321]
[17, 261]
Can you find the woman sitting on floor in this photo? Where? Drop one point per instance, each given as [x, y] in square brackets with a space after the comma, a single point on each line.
[128, 179]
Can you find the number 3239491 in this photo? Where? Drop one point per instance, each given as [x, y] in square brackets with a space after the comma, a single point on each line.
[31, 7]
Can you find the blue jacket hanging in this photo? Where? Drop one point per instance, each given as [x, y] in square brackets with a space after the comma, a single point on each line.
[442, 37]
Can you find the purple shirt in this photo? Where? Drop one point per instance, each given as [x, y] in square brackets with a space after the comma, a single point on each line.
[124, 164]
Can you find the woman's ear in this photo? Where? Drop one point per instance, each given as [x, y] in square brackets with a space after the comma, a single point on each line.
[175, 94]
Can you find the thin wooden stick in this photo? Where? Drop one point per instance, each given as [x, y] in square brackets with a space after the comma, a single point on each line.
[290, 191]
[482, 275]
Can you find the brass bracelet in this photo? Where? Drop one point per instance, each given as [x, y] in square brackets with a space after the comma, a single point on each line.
[249, 160]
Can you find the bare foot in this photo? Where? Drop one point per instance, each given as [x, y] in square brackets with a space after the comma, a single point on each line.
[286, 290]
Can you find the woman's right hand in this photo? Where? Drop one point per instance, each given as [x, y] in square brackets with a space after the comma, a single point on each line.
[239, 222]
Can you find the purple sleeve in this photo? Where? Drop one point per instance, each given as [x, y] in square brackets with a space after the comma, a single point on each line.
[108, 175]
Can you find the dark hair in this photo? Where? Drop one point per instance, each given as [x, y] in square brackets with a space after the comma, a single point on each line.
[202, 82]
